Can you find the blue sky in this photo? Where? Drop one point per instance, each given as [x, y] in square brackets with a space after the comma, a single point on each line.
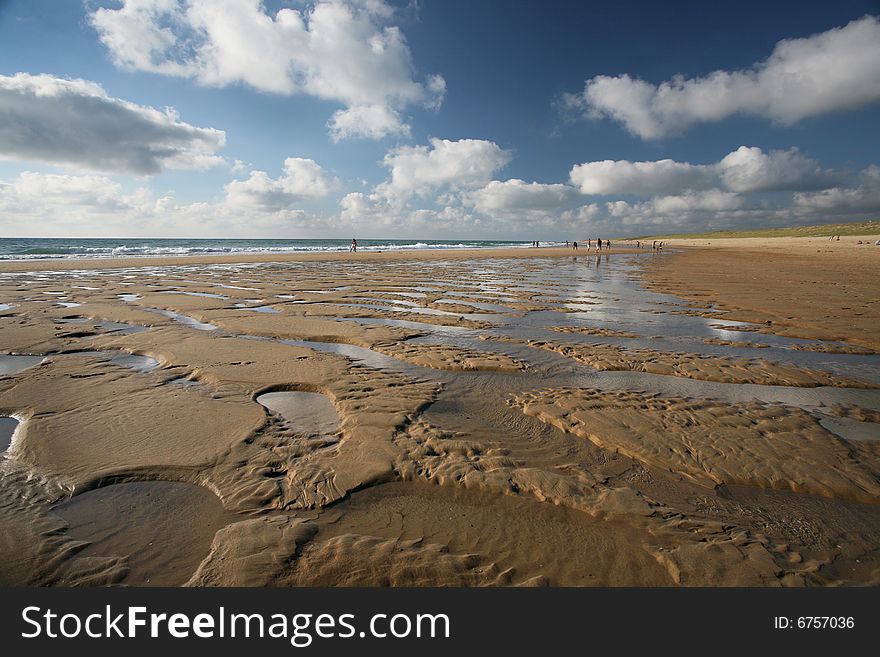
[434, 119]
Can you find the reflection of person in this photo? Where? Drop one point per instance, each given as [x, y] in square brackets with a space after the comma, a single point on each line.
[354, 245]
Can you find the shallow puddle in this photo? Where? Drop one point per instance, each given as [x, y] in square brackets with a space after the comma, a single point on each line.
[210, 295]
[8, 425]
[308, 412]
[12, 364]
[163, 528]
[852, 429]
[136, 362]
[186, 320]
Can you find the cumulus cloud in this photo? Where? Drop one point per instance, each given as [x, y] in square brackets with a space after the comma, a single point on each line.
[713, 200]
[831, 71]
[369, 121]
[302, 179]
[747, 169]
[517, 196]
[840, 201]
[30, 189]
[640, 178]
[708, 209]
[421, 170]
[338, 50]
[75, 122]
[34, 203]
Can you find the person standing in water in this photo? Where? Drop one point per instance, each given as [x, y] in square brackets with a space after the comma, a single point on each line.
[599, 245]
[354, 245]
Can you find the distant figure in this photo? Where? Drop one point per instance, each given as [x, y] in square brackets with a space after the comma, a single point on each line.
[607, 244]
[566, 244]
[574, 245]
[654, 245]
[659, 247]
[838, 238]
[598, 245]
[589, 243]
[638, 244]
[354, 245]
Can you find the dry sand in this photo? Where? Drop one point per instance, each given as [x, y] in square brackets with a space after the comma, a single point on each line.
[467, 451]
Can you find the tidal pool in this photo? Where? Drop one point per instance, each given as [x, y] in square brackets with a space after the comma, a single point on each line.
[8, 425]
[308, 412]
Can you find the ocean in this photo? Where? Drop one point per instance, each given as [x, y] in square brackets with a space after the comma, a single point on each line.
[45, 248]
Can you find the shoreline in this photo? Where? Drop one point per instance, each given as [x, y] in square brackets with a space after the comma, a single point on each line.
[67, 264]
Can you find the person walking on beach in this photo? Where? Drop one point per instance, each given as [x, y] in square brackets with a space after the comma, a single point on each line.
[599, 245]
[574, 245]
[354, 245]
[607, 244]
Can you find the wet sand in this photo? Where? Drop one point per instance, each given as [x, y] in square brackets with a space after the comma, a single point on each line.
[808, 287]
[503, 418]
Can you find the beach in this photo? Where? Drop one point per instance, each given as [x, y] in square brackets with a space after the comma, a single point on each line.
[704, 416]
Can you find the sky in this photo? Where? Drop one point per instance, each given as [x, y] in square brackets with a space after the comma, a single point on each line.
[435, 119]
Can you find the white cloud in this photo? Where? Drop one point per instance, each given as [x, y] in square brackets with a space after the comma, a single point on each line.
[639, 178]
[39, 204]
[30, 190]
[369, 121]
[713, 200]
[582, 214]
[512, 196]
[747, 169]
[337, 50]
[855, 201]
[698, 209]
[76, 123]
[301, 180]
[462, 164]
[831, 71]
